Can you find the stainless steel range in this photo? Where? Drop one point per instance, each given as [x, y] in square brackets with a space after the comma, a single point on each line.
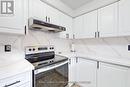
[50, 70]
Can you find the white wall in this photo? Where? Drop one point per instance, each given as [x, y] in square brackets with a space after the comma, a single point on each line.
[110, 47]
[33, 38]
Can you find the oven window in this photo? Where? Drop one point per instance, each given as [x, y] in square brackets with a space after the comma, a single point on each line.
[57, 77]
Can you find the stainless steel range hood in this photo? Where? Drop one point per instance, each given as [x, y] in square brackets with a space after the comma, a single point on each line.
[36, 24]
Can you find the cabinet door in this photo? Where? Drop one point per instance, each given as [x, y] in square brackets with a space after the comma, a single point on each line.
[72, 71]
[17, 80]
[124, 17]
[52, 15]
[107, 20]
[78, 27]
[66, 21]
[112, 76]
[90, 25]
[37, 9]
[86, 72]
[15, 23]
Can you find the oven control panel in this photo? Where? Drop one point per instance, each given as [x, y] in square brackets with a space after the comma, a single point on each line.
[38, 49]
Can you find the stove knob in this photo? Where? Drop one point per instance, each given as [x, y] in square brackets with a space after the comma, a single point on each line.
[51, 48]
[30, 49]
[33, 49]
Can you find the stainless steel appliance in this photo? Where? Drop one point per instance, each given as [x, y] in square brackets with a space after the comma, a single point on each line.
[50, 70]
[36, 24]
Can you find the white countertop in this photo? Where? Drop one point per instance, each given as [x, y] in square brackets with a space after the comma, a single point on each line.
[91, 56]
[12, 64]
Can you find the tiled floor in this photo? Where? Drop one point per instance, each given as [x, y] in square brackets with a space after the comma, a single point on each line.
[51, 79]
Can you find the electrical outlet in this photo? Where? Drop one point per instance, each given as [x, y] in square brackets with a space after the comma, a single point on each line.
[128, 47]
[7, 48]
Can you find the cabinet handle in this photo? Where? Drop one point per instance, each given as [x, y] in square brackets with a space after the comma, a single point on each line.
[98, 65]
[67, 35]
[95, 34]
[46, 18]
[49, 19]
[25, 31]
[69, 61]
[98, 34]
[73, 36]
[76, 59]
[12, 84]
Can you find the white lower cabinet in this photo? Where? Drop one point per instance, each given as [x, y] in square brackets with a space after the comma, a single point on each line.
[86, 72]
[83, 72]
[20, 80]
[89, 73]
[112, 76]
[72, 71]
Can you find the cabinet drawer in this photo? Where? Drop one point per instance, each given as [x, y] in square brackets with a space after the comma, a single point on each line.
[15, 81]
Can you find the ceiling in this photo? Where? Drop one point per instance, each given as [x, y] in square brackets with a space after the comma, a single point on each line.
[74, 4]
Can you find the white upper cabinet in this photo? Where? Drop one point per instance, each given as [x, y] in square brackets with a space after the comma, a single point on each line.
[124, 17]
[42, 11]
[16, 22]
[37, 9]
[78, 26]
[90, 25]
[52, 15]
[112, 76]
[86, 72]
[99, 23]
[85, 26]
[66, 21]
[108, 20]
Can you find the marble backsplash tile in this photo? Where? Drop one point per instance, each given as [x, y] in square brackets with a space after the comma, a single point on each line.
[34, 38]
[115, 47]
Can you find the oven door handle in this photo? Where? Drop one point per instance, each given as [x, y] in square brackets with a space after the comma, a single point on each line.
[50, 67]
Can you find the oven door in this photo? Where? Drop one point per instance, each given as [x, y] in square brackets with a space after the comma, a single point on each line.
[52, 76]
